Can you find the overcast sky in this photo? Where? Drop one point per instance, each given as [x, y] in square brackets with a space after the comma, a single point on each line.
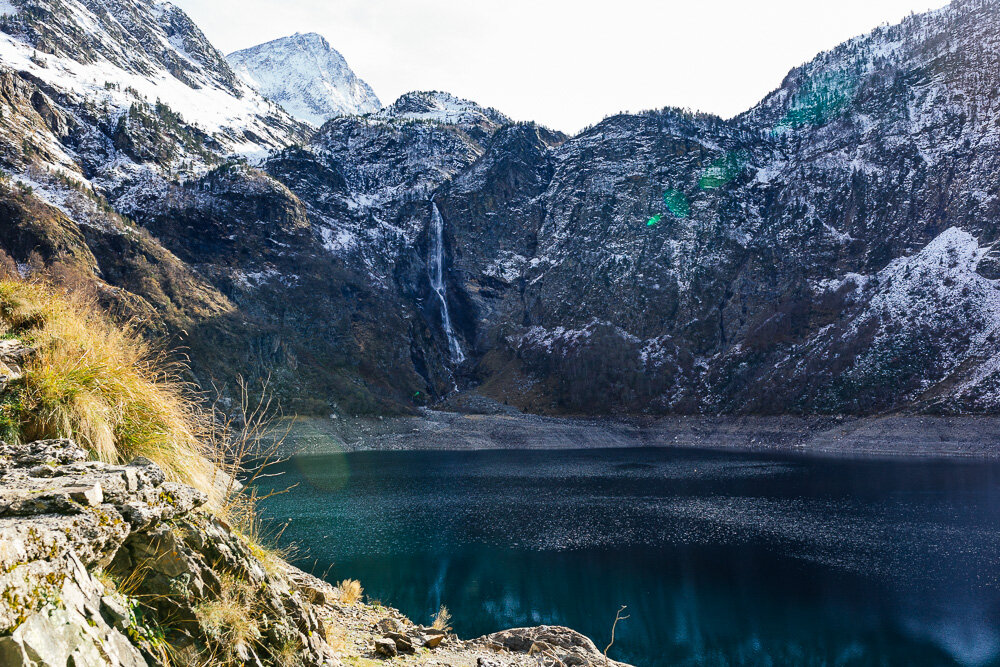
[564, 63]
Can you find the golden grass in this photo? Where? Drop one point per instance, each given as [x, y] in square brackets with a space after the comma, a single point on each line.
[231, 620]
[443, 620]
[103, 385]
[350, 591]
[336, 636]
[288, 655]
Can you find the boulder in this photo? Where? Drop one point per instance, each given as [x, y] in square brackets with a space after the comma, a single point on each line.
[403, 643]
[389, 625]
[12, 356]
[568, 646]
[386, 647]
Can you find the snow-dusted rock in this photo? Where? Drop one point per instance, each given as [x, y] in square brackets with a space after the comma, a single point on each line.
[666, 261]
[307, 77]
[115, 55]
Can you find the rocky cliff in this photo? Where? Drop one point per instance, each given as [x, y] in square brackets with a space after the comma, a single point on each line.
[829, 251]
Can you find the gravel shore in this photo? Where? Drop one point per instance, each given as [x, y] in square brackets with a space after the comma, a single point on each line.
[893, 436]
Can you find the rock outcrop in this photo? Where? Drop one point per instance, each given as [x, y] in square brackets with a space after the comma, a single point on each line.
[108, 564]
[12, 355]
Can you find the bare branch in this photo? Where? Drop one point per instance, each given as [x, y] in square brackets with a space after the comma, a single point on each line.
[614, 627]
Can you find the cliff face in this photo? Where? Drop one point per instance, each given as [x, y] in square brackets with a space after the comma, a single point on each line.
[829, 251]
[820, 253]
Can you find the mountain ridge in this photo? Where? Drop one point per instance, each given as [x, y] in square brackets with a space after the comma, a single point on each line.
[799, 258]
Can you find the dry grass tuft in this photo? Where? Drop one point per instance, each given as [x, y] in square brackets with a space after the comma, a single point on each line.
[443, 620]
[288, 655]
[231, 620]
[103, 385]
[336, 636]
[350, 591]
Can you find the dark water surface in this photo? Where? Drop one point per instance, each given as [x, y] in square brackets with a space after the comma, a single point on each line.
[722, 559]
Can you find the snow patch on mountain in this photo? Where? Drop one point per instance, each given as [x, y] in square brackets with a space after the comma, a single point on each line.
[939, 295]
[311, 80]
[103, 73]
[565, 340]
[508, 267]
[337, 241]
[442, 108]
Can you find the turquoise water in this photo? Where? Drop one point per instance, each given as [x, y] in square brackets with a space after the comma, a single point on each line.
[722, 559]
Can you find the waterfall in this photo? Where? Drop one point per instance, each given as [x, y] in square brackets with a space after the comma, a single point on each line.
[436, 270]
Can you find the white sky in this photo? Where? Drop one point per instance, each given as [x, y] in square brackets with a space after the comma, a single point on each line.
[564, 63]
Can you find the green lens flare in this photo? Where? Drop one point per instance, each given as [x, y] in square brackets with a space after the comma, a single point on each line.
[677, 203]
[819, 100]
[655, 220]
[722, 171]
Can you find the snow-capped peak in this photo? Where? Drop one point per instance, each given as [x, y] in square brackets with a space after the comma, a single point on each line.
[308, 77]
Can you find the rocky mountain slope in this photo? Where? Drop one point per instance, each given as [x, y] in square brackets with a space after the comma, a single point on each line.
[829, 251]
[307, 77]
[100, 103]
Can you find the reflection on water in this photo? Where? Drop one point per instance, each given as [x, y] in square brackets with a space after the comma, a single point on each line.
[722, 559]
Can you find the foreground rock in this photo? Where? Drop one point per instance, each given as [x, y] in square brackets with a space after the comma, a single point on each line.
[115, 565]
[12, 355]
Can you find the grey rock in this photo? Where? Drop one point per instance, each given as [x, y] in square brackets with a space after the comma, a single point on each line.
[389, 625]
[568, 646]
[44, 452]
[91, 495]
[153, 471]
[12, 355]
[115, 612]
[319, 595]
[386, 647]
[403, 643]
[42, 472]
[70, 632]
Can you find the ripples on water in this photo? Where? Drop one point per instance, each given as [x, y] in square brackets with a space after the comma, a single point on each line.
[722, 559]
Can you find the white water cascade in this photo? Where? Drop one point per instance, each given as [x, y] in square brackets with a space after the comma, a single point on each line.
[436, 270]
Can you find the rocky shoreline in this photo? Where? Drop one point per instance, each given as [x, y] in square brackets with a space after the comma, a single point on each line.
[114, 565]
[887, 436]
